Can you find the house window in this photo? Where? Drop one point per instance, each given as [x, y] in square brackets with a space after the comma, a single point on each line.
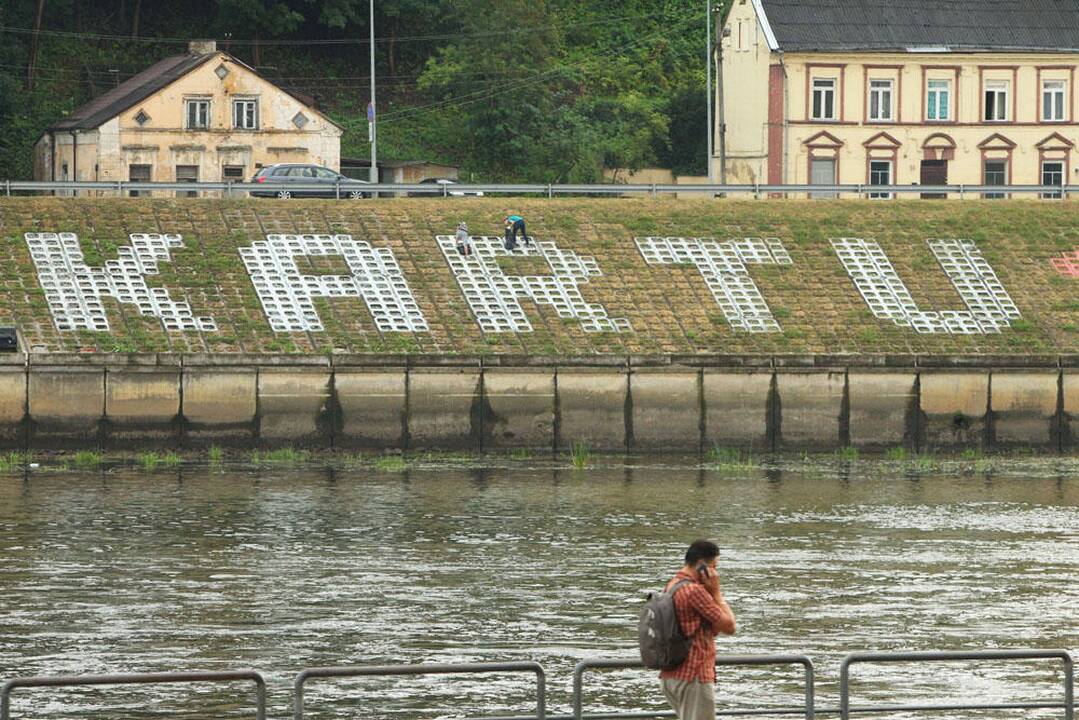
[245, 114]
[232, 173]
[1052, 174]
[187, 174]
[937, 102]
[197, 114]
[824, 99]
[996, 173]
[142, 118]
[138, 173]
[1053, 100]
[996, 100]
[880, 173]
[880, 100]
[299, 120]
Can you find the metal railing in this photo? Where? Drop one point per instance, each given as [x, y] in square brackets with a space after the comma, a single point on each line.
[136, 679]
[809, 709]
[845, 709]
[757, 190]
[721, 660]
[434, 669]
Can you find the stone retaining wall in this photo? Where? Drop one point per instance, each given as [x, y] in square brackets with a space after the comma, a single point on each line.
[638, 404]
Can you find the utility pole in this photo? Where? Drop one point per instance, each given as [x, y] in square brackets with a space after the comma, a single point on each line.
[709, 99]
[372, 129]
[32, 61]
[721, 118]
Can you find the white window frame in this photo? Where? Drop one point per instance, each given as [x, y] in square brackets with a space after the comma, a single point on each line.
[826, 88]
[1001, 110]
[891, 179]
[1054, 98]
[204, 104]
[245, 113]
[933, 104]
[1041, 178]
[995, 195]
[881, 92]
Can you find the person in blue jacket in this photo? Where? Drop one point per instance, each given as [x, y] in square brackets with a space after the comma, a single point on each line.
[515, 224]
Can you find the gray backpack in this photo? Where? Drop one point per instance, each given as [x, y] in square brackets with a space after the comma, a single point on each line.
[663, 644]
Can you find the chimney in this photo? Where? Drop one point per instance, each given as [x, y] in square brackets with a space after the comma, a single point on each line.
[202, 47]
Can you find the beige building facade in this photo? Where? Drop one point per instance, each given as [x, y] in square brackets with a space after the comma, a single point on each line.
[814, 93]
[200, 117]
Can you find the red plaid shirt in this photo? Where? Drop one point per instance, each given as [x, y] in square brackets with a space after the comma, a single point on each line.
[696, 610]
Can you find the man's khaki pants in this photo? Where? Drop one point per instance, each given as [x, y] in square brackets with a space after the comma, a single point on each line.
[692, 700]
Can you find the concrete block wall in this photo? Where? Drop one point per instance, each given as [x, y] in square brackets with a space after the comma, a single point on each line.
[626, 403]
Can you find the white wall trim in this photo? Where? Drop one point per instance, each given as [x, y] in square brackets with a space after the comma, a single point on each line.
[770, 36]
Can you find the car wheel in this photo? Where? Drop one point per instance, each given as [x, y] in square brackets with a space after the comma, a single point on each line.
[283, 194]
[356, 194]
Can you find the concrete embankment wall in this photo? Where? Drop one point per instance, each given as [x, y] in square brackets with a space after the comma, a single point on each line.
[638, 404]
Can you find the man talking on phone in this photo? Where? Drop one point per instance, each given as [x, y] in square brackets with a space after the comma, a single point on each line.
[702, 614]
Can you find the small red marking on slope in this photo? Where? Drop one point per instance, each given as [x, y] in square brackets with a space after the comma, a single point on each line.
[1067, 264]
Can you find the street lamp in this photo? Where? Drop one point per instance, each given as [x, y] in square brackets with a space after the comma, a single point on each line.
[708, 87]
[372, 130]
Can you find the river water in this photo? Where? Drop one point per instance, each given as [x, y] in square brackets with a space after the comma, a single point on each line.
[284, 568]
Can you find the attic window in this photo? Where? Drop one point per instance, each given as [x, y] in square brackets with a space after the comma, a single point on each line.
[299, 120]
[221, 71]
[142, 118]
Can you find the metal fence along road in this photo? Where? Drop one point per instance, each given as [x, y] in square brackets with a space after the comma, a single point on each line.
[808, 710]
[459, 191]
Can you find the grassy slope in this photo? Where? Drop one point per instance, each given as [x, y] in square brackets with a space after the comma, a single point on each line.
[670, 308]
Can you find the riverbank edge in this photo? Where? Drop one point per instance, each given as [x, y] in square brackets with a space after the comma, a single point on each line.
[637, 404]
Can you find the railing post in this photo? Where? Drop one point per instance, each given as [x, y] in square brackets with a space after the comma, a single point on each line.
[1069, 693]
[337, 189]
[961, 192]
[7, 188]
[844, 689]
[550, 191]
[653, 191]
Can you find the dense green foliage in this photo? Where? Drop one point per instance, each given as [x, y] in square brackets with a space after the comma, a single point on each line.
[525, 90]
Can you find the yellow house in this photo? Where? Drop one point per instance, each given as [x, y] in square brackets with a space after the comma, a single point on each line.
[898, 92]
[199, 117]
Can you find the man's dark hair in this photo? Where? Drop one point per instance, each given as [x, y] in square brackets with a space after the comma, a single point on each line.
[701, 550]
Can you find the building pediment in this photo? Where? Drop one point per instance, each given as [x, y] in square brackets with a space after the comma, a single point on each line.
[823, 139]
[938, 141]
[1055, 141]
[882, 140]
[996, 141]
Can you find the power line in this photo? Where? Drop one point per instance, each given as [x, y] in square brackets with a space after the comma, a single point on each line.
[328, 41]
[510, 86]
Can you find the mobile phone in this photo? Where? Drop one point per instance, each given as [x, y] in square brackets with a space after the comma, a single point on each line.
[703, 570]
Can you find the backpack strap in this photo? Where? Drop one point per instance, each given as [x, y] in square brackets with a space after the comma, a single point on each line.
[677, 585]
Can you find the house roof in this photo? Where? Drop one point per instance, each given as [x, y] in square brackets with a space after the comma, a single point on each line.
[921, 25]
[159, 75]
[135, 89]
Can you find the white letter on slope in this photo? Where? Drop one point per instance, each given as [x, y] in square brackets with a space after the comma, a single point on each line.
[286, 295]
[989, 307]
[74, 289]
[493, 295]
[723, 267]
